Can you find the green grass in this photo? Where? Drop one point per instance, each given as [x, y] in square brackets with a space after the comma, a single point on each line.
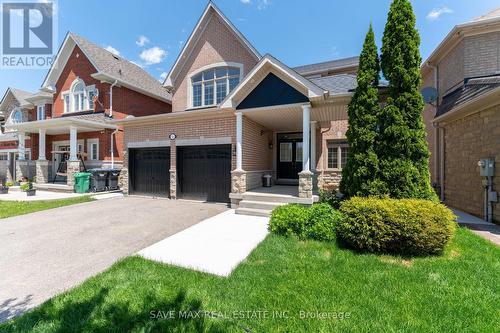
[14, 208]
[456, 292]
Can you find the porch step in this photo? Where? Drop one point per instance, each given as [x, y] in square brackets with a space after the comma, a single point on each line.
[253, 212]
[279, 198]
[54, 187]
[264, 205]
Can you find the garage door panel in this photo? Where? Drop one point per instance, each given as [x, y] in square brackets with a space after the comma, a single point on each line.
[205, 172]
[149, 171]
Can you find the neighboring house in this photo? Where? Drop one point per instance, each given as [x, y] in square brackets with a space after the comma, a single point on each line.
[85, 89]
[236, 116]
[14, 108]
[464, 125]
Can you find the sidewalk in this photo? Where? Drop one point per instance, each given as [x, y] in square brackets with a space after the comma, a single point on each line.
[478, 226]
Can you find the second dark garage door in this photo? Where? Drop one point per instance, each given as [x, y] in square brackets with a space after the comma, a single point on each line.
[204, 172]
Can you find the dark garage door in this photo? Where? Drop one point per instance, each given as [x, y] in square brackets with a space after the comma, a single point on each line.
[149, 171]
[204, 172]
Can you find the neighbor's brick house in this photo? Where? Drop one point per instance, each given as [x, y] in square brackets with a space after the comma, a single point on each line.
[464, 125]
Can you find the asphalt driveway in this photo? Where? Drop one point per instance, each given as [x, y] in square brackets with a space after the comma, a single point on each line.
[45, 253]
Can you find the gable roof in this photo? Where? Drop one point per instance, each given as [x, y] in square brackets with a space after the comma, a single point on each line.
[18, 94]
[266, 65]
[327, 66]
[336, 84]
[210, 10]
[109, 67]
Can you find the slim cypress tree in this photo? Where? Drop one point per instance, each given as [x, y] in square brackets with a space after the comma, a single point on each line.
[401, 148]
[361, 169]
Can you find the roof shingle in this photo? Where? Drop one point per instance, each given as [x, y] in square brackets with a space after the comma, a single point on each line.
[327, 65]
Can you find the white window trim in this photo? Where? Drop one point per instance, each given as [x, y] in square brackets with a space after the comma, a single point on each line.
[38, 109]
[202, 69]
[12, 117]
[339, 145]
[70, 93]
[90, 142]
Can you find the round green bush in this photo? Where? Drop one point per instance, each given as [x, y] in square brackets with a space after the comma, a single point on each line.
[316, 222]
[400, 226]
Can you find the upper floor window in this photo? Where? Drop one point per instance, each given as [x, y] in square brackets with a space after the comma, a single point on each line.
[211, 86]
[17, 117]
[40, 112]
[79, 97]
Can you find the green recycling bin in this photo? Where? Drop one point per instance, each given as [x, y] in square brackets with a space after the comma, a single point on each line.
[82, 182]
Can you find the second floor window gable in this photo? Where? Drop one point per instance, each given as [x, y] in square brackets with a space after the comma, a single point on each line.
[211, 86]
[79, 97]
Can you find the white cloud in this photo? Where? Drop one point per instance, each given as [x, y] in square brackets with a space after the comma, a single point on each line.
[153, 55]
[246, 2]
[143, 40]
[113, 50]
[163, 76]
[335, 51]
[436, 13]
[263, 4]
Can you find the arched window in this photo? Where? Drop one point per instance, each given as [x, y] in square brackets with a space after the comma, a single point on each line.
[211, 86]
[78, 92]
[79, 97]
[17, 116]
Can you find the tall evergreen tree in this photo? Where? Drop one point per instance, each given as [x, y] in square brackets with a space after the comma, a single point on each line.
[402, 148]
[361, 169]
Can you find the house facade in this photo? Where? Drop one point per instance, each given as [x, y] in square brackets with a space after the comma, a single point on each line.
[463, 125]
[71, 128]
[238, 115]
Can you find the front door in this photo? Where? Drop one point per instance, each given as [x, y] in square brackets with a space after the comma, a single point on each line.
[289, 157]
[58, 158]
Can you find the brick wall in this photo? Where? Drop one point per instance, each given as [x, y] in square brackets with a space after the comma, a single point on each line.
[217, 44]
[328, 132]
[482, 54]
[451, 69]
[467, 141]
[257, 156]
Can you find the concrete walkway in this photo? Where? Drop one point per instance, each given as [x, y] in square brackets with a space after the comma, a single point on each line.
[40, 195]
[478, 226]
[47, 252]
[216, 245]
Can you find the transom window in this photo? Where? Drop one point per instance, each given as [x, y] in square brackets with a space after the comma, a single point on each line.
[79, 97]
[210, 87]
[337, 154]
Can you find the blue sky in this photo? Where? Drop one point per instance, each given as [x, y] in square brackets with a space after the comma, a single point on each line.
[295, 31]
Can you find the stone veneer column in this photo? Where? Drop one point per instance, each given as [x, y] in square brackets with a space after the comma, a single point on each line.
[173, 170]
[72, 168]
[42, 171]
[238, 181]
[22, 169]
[123, 177]
[305, 184]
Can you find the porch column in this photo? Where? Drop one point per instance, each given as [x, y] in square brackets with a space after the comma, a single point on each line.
[73, 144]
[239, 140]
[21, 148]
[41, 145]
[238, 175]
[306, 176]
[313, 146]
[306, 119]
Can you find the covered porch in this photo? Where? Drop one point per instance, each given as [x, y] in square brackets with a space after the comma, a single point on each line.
[50, 159]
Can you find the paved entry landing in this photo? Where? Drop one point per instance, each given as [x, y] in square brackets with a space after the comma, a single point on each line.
[216, 245]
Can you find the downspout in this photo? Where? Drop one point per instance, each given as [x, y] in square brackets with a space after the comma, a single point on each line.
[112, 148]
[111, 98]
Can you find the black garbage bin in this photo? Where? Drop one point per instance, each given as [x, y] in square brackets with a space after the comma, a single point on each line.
[112, 179]
[98, 180]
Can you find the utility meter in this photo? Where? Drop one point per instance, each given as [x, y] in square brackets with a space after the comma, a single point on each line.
[487, 167]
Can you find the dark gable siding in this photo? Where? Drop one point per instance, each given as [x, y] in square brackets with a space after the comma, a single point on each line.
[270, 92]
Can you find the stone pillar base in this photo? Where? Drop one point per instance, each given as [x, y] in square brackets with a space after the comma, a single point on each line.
[238, 181]
[42, 171]
[73, 167]
[123, 180]
[305, 184]
[173, 184]
[22, 170]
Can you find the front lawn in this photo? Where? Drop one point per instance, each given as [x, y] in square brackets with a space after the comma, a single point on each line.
[457, 292]
[14, 208]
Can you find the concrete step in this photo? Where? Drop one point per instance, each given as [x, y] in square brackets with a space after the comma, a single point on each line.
[260, 204]
[253, 212]
[54, 187]
[280, 198]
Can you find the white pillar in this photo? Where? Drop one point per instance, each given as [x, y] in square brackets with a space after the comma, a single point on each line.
[306, 120]
[41, 144]
[239, 140]
[313, 145]
[73, 144]
[21, 148]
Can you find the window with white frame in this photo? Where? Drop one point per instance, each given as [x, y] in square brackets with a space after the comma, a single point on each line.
[17, 117]
[40, 112]
[4, 156]
[211, 86]
[79, 97]
[337, 154]
[93, 149]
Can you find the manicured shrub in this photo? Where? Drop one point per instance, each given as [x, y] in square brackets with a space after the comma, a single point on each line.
[400, 226]
[331, 197]
[317, 222]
